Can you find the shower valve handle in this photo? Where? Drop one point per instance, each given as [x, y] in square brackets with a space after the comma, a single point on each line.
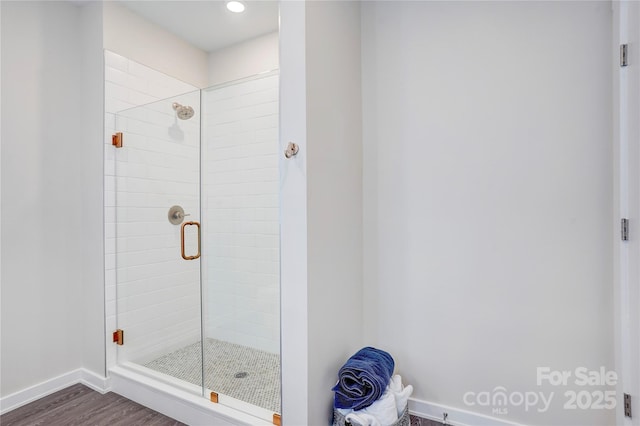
[176, 215]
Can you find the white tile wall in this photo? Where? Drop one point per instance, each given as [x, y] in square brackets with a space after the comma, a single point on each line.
[240, 200]
[158, 296]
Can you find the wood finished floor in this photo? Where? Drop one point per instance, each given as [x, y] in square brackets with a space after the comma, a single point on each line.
[78, 405]
[419, 421]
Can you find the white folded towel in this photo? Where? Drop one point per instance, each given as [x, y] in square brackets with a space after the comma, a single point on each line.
[400, 392]
[386, 410]
[383, 412]
[362, 419]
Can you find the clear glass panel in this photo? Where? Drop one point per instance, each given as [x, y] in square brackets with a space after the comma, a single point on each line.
[240, 265]
[158, 292]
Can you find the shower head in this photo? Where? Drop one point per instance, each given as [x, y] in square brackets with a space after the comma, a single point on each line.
[184, 112]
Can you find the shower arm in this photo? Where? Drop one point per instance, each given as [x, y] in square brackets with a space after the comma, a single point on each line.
[180, 215]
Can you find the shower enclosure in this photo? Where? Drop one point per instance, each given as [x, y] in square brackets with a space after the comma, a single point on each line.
[197, 242]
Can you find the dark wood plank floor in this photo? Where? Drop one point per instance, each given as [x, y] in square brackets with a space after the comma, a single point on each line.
[419, 421]
[78, 405]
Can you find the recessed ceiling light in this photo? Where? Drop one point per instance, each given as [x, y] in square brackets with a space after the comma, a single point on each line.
[235, 6]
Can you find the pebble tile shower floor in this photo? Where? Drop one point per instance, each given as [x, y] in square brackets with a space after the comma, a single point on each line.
[224, 361]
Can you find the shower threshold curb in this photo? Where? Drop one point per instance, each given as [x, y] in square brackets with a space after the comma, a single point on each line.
[176, 402]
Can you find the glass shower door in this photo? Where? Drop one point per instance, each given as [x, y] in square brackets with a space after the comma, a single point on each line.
[211, 323]
[241, 269]
[158, 238]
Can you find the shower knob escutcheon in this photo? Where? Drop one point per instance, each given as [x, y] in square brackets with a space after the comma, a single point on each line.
[176, 215]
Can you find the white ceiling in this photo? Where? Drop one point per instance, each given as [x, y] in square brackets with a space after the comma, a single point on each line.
[207, 24]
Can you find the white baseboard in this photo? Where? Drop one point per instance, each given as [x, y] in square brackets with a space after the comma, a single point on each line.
[94, 381]
[456, 416]
[33, 393]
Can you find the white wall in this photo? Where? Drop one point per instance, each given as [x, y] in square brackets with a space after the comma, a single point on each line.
[92, 261]
[244, 59]
[240, 200]
[334, 196]
[134, 37]
[0, 176]
[293, 216]
[321, 202]
[158, 292]
[487, 187]
[46, 195]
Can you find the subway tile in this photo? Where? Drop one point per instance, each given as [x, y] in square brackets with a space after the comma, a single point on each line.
[116, 76]
[110, 306]
[109, 228]
[140, 98]
[109, 122]
[143, 71]
[110, 261]
[113, 105]
[110, 293]
[110, 216]
[141, 84]
[110, 277]
[113, 60]
[116, 91]
[110, 246]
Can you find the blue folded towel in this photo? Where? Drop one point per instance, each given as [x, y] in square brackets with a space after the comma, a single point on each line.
[363, 379]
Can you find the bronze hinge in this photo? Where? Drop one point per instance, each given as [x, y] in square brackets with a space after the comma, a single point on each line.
[116, 140]
[277, 419]
[214, 397]
[118, 337]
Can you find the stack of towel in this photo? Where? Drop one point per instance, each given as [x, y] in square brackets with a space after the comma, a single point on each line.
[367, 392]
